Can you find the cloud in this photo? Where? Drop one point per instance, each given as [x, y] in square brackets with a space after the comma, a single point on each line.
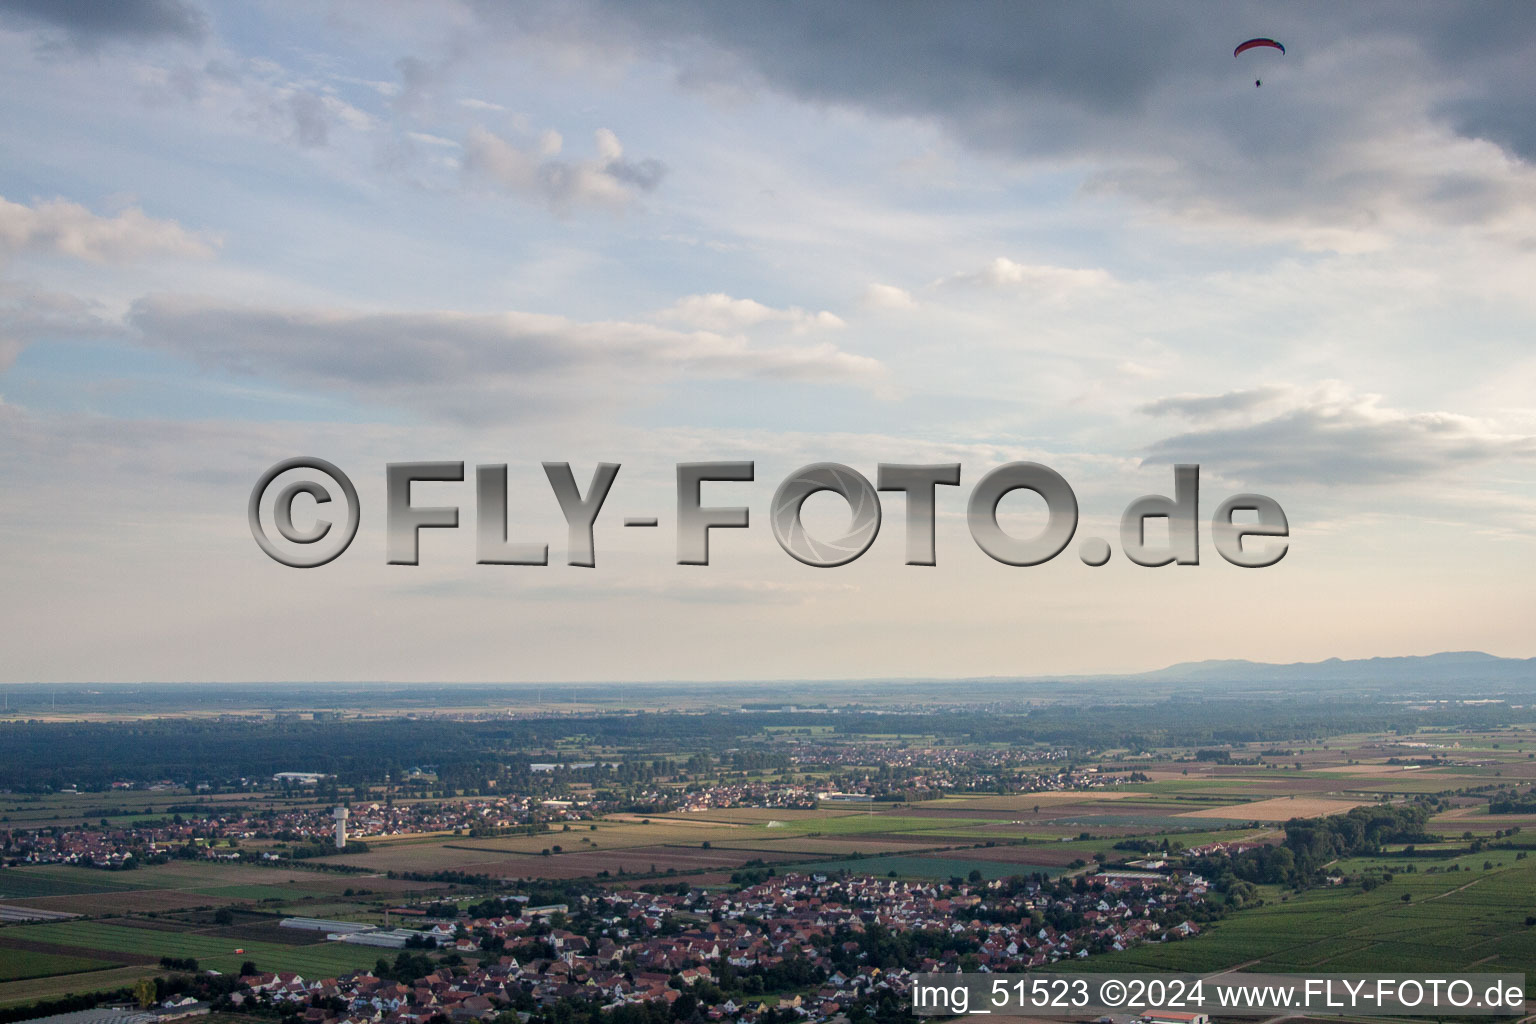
[261, 95]
[366, 125]
[57, 226]
[87, 23]
[720, 312]
[310, 125]
[472, 367]
[1332, 436]
[418, 84]
[1196, 407]
[1493, 50]
[888, 296]
[1149, 105]
[606, 180]
[1033, 279]
[28, 315]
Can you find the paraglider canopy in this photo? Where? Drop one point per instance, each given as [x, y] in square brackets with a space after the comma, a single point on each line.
[1255, 44]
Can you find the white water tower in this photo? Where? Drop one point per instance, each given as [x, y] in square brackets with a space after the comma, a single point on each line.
[340, 814]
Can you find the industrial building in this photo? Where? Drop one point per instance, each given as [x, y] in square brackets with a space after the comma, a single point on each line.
[320, 924]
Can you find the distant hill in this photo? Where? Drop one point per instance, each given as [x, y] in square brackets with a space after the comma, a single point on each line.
[1446, 667]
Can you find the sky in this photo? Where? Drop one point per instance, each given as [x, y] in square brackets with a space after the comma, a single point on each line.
[653, 233]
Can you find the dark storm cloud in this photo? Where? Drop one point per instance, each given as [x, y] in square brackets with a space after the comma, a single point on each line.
[1490, 50]
[89, 22]
[961, 62]
[1150, 94]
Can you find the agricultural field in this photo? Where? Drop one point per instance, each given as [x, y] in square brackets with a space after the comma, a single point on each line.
[123, 807]
[177, 885]
[109, 942]
[17, 964]
[761, 815]
[31, 883]
[635, 860]
[1478, 821]
[1277, 809]
[661, 843]
[933, 866]
[1454, 921]
[31, 990]
[812, 846]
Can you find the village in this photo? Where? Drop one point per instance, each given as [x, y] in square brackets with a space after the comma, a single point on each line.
[813, 945]
[215, 831]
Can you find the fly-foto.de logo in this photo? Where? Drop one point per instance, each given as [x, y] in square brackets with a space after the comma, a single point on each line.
[1247, 530]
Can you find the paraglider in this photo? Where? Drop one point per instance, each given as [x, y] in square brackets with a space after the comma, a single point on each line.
[1254, 44]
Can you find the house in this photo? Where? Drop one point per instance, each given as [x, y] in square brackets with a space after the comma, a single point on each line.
[1171, 1017]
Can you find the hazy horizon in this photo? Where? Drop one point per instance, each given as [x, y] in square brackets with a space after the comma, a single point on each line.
[1438, 656]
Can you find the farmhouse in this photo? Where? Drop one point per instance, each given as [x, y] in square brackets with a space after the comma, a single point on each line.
[1172, 1017]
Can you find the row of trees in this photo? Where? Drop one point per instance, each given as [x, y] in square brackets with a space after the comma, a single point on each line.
[1313, 843]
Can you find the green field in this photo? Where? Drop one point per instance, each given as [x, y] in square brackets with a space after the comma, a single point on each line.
[1454, 921]
[908, 866]
[24, 883]
[896, 824]
[163, 887]
[319, 960]
[258, 892]
[838, 821]
[16, 964]
[54, 986]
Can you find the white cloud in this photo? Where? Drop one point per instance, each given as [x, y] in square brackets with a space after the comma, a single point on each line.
[57, 226]
[720, 312]
[888, 296]
[1035, 279]
[608, 180]
[428, 139]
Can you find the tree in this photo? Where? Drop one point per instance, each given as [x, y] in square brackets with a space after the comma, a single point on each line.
[144, 992]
